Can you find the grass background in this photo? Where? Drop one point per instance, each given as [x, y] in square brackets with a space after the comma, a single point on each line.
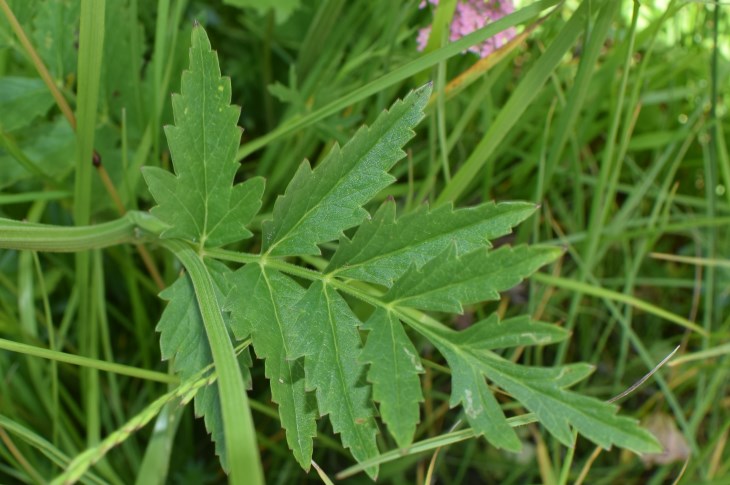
[610, 114]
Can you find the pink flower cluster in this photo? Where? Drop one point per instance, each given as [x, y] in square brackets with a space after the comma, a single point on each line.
[471, 15]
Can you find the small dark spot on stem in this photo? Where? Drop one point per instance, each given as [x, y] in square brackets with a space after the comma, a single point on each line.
[96, 159]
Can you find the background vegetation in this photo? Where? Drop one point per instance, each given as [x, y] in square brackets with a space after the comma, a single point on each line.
[611, 115]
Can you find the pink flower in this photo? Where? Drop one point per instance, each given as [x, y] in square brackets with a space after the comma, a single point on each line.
[471, 15]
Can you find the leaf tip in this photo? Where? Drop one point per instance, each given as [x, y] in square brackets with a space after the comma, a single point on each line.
[423, 93]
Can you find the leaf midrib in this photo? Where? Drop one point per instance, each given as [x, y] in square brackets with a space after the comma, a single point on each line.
[204, 234]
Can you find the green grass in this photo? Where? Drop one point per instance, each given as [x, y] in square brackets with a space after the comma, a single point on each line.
[611, 115]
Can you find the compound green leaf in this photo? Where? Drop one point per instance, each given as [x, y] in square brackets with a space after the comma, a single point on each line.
[261, 305]
[394, 368]
[383, 248]
[451, 280]
[326, 335]
[432, 260]
[200, 202]
[319, 204]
